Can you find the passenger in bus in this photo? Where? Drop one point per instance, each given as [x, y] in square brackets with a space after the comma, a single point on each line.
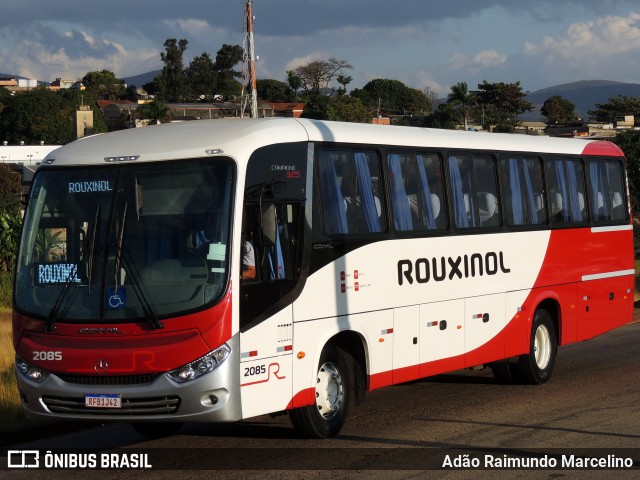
[248, 261]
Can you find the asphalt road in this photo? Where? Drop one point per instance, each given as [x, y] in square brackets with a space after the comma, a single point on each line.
[590, 408]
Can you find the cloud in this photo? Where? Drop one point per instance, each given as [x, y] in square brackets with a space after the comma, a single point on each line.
[484, 59]
[590, 43]
[311, 57]
[427, 83]
[189, 25]
[34, 59]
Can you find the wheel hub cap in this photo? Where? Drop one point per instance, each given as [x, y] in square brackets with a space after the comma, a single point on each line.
[329, 390]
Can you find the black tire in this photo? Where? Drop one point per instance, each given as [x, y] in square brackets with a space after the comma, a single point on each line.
[536, 367]
[333, 390]
[157, 430]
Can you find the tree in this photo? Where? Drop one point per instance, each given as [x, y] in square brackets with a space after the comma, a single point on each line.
[444, 117]
[274, 90]
[35, 116]
[343, 80]
[172, 83]
[393, 97]
[462, 97]
[10, 218]
[317, 75]
[558, 110]
[347, 109]
[5, 98]
[10, 223]
[156, 111]
[10, 189]
[294, 82]
[104, 85]
[615, 108]
[226, 58]
[629, 142]
[340, 109]
[201, 76]
[501, 103]
[41, 115]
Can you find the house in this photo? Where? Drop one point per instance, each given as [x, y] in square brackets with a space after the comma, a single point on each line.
[118, 114]
[8, 82]
[532, 128]
[283, 109]
[61, 84]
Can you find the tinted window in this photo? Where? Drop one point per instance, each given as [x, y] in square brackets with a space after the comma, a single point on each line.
[565, 180]
[522, 184]
[474, 191]
[350, 192]
[606, 191]
[417, 194]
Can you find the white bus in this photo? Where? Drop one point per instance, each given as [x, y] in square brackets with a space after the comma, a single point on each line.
[220, 270]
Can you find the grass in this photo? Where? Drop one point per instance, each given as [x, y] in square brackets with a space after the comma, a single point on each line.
[6, 291]
[11, 414]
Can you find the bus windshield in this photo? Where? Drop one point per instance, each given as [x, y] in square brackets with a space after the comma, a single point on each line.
[125, 243]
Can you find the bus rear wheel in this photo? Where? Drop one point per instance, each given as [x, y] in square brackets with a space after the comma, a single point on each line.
[327, 415]
[536, 367]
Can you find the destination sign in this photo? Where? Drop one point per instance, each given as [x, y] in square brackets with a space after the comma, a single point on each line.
[56, 273]
[88, 187]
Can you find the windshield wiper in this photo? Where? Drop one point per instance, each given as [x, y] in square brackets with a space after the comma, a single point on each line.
[91, 247]
[122, 257]
[50, 323]
[72, 279]
[118, 246]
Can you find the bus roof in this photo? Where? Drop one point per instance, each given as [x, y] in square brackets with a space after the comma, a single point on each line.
[235, 137]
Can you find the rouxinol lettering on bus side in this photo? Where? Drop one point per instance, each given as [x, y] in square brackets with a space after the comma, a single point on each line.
[422, 270]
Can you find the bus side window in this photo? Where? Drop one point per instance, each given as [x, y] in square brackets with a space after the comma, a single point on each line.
[474, 191]
[565, 181]
[350, 192]
[415, 183]
[605, 185]
[523, 190]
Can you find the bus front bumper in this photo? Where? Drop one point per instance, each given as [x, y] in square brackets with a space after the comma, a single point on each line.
[213, 397]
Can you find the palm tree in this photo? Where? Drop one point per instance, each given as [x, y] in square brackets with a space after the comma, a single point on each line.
[460, 95]
[155, 111]
[47, 242]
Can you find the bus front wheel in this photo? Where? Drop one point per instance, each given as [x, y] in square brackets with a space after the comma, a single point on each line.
[327, 415]
[536, 366]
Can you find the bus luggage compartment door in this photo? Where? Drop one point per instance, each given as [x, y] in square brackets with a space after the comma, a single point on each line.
[442, 337]
[606, 303]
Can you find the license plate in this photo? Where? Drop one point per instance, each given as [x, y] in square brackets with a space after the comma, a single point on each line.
[102, 400]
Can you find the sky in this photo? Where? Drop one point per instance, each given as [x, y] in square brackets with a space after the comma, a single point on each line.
[426, 44]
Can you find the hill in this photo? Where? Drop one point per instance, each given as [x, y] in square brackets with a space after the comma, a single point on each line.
[140, 80]
[8, 75]
[583, 94]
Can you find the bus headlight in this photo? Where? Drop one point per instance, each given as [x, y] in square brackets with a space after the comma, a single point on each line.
[30, 372]
[201, 366]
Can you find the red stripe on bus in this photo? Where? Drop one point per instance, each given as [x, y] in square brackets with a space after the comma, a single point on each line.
[602, 149]
[303, 398]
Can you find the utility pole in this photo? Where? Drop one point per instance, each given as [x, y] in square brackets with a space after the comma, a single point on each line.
[249, 93]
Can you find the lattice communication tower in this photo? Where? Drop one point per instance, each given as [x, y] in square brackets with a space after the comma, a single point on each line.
[249, 95]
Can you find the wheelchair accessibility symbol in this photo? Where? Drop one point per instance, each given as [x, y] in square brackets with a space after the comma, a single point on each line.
[116, 298]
